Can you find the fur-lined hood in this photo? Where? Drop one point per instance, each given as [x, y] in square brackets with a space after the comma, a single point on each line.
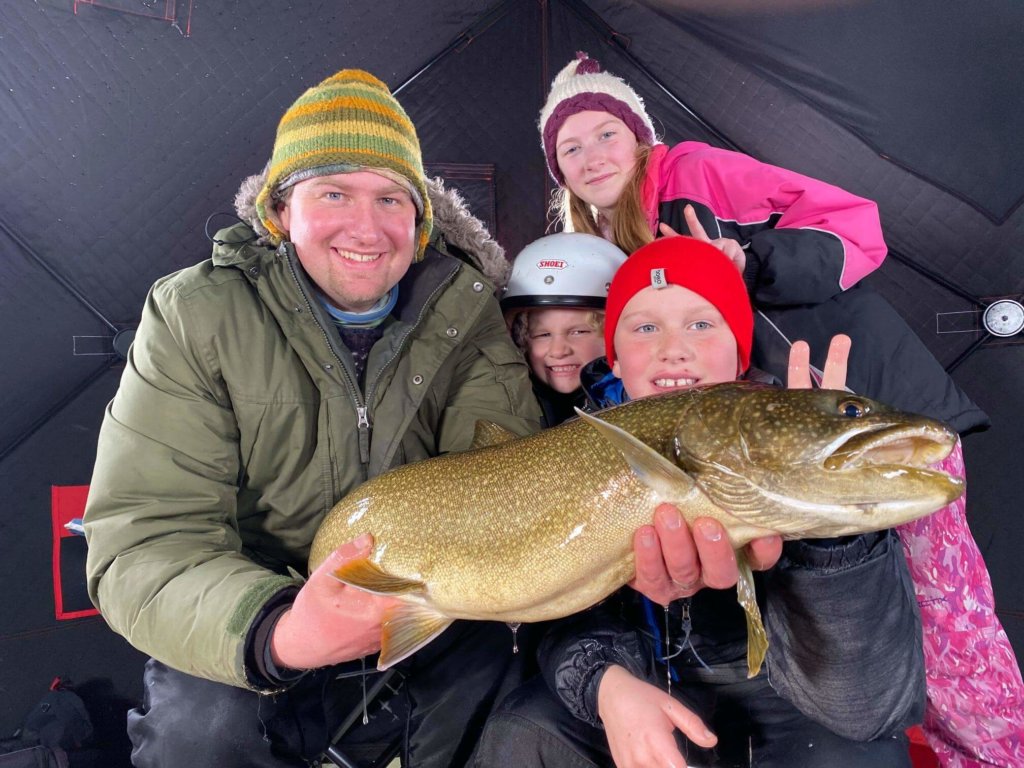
[452, 219]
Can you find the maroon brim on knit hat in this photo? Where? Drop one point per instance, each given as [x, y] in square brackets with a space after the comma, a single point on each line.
[691, 264]
[581, 86]
[590, 102]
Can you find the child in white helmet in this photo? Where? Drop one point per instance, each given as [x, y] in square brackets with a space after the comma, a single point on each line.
[554, 305]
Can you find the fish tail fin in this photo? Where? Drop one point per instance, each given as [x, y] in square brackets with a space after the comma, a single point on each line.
[370, 577]
[406, 628]
[757, 638]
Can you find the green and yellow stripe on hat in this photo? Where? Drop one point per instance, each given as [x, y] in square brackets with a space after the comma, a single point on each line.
[349, 122]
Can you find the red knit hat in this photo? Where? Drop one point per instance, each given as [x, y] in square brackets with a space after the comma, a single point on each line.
[692, 264]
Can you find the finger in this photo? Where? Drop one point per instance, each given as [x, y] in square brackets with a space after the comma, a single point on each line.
[836, 363]
[356, 549]
[717, 558]
[666, 230]
[734, 251]
[661, 750]
[678, 550]
[652, 578]
[799, 374]
[764, 553]
[693, 224]
[690, 724]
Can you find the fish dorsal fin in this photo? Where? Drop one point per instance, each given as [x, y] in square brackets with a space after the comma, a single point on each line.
[406, 628]
[367, 575]
[757, 638]
[488, 433]
[651, 468]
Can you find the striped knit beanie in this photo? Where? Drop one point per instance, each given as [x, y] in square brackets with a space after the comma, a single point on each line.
[692, 264]
[581, 86]
[349, 122]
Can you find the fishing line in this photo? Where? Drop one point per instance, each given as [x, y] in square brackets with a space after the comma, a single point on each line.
[366, 713]
[514, 626]
[668, 656]
[656, 633]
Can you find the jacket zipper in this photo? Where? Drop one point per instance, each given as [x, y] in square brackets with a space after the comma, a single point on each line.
[362, 423]
[401, 342]
[362, 409]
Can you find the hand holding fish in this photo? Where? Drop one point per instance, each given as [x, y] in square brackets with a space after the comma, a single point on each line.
[726, 245]
[673, 562]
[330, 622]
[562, 540]
[640, 721]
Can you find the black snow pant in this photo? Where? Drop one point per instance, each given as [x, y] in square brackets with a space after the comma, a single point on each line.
[434, 707]
[756, 728]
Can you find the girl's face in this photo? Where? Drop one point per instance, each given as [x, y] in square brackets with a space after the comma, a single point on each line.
[596, 155]
[559, 343]
[672, 338]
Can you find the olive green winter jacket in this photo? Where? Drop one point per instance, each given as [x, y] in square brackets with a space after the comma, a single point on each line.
[238, 425]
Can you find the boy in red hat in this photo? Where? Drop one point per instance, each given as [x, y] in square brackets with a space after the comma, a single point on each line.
[845, 659]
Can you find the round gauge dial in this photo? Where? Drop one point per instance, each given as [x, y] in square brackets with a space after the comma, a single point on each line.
[1004, 318]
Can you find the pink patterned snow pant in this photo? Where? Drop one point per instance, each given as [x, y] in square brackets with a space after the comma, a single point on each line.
[975, 713]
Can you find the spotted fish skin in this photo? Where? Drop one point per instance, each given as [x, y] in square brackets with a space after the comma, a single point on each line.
[535, 528]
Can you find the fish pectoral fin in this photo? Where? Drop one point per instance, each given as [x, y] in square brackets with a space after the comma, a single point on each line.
[406, 628]
[757, 638]
[370, 577]
[488, 433]
[651, 468]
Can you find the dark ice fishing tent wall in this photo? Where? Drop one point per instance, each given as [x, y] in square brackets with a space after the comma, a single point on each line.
[122, 135]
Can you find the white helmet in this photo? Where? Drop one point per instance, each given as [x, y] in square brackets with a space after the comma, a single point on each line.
[567, 269]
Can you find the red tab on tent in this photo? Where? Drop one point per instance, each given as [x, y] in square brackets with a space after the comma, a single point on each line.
[70, 598]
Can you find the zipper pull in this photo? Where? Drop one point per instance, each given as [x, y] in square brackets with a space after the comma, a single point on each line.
[687, 626]
[363, 424]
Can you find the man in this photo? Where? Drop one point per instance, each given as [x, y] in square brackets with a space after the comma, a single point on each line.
[263, 385]
[329, 339]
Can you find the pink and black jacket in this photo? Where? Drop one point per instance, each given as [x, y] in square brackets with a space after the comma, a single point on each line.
[808, 244]
[805, 240]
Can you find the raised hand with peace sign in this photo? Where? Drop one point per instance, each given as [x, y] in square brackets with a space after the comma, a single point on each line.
[726, 245]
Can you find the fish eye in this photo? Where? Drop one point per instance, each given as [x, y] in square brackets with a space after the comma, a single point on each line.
[852, 409]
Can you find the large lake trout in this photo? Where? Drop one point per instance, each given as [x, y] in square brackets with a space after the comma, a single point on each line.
[535, 528]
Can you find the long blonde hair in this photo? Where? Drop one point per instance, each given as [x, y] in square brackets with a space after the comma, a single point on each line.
[629, 226]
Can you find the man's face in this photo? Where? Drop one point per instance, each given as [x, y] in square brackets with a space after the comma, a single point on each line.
[559, 343]
[354, 234]
[596, 154]
[672, 338]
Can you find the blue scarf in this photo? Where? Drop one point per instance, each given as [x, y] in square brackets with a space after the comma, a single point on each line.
[371, 318]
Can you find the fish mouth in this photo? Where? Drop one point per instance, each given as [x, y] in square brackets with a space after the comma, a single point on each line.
[898, 445]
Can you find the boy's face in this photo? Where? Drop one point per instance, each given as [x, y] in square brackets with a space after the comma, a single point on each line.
[558, 343]
[672, 338]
